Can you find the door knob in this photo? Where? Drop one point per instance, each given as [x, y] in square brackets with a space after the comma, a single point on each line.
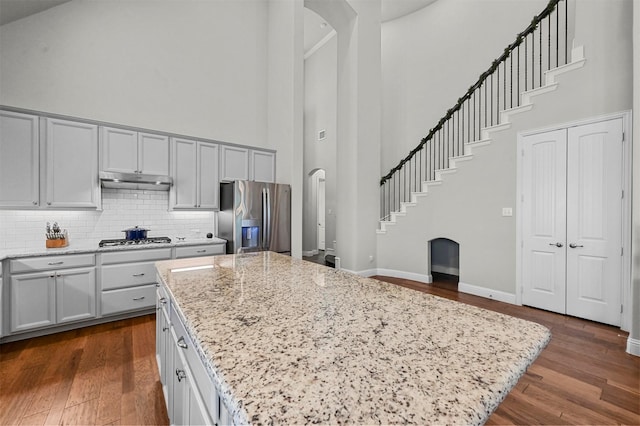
[556, 244]
[572, 245]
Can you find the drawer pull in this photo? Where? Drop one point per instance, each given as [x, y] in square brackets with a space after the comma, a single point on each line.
[201, 251]
[165, 328]
[138, 275]
[181, 374]
[181, 343]
[163, 301]
[56, 263]
[138, 298]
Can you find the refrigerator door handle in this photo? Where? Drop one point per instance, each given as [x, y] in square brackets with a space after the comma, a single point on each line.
[267, 244]
[264, 218]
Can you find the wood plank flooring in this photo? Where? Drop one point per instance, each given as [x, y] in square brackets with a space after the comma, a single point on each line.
[107, 374]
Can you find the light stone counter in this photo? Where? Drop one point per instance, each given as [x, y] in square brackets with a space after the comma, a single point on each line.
[90, 246]
[291, 342]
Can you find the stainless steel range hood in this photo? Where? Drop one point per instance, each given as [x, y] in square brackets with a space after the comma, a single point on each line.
[135, 181]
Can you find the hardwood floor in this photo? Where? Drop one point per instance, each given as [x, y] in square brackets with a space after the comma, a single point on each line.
[107, 374]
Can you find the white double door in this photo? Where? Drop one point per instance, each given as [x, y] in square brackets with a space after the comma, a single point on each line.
[572, 221]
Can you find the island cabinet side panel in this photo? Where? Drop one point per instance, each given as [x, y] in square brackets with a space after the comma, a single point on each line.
[190, 393]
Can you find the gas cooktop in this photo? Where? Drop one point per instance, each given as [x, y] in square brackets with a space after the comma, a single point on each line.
[141, 242]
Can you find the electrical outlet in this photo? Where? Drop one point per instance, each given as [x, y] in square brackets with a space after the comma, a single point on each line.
[507, 211]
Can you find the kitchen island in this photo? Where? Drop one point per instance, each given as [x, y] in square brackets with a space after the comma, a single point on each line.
[290, 342]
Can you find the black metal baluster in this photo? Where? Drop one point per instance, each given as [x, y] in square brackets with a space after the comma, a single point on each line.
[525, 62]
[549, 42]
[566, 29]
[518, 83]
[540, 29]
[533, 60]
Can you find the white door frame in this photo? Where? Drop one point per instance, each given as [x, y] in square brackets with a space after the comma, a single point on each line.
[625, 291]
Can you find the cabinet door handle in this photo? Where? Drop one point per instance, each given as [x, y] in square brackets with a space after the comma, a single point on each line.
[35, 203]
[201, 251]
[163, 301]
[138, 275]
[181, 374]
[556, 244]
[181, 343]
[138, 298]
[575, 245]
[165, 328]
[56, 263]
[48, 203]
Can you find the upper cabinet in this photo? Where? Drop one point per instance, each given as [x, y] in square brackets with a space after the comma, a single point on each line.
[237, 163]
[194, 169]
[234, 163]
[19, 160]
[71, 165]
[262, 166]
[127, 151]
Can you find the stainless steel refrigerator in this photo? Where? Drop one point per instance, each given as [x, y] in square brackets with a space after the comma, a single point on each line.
[255, 216]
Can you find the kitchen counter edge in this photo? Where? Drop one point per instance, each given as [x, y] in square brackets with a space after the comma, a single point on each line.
[92, 247]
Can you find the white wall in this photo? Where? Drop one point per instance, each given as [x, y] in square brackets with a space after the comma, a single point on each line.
[431, 57]
[286, 102]
[122, 209]
[467, 206]
[188, 67]
[320, 103]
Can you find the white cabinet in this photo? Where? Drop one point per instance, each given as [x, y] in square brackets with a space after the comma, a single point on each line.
[262, 166]
[45, 298]
[234, 163]
[71, 165]
[164, 344]
[33, 301]
[195, 175]
[130, 286]
[127, 151]
[19, 160]
[237, 163]
[75, 294]
[201, 250]
[192, 398]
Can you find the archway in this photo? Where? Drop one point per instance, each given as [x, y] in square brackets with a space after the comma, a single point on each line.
[445, 260]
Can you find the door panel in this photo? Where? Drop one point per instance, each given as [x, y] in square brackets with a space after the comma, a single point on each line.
[544, 223]
[594, 224]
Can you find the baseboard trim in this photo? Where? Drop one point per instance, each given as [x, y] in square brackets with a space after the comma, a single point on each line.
[427, 279]
[487, 293]
[633, 346]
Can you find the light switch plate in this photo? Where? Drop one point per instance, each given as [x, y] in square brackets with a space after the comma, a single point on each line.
[507, 211]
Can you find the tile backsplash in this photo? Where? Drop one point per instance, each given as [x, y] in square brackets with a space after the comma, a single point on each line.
[122, 209]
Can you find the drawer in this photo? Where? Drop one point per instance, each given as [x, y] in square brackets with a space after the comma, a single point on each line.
[204, 250]
[128, 299]
[139, 255]
[128, 275]
[50, 263]
[200, 376]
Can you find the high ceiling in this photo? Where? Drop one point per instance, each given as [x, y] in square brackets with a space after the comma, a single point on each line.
[12, 10]
[315, 27]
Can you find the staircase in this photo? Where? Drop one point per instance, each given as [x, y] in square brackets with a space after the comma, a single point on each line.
[527, 69]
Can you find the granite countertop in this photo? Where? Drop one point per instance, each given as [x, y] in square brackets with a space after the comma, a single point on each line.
[91, 246]
[291, 342]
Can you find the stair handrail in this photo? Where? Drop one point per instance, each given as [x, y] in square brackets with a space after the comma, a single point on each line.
[483, 77]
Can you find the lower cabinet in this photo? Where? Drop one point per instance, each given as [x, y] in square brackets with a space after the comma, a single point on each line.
[190, 395]
[130, 286]
[47, 298]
